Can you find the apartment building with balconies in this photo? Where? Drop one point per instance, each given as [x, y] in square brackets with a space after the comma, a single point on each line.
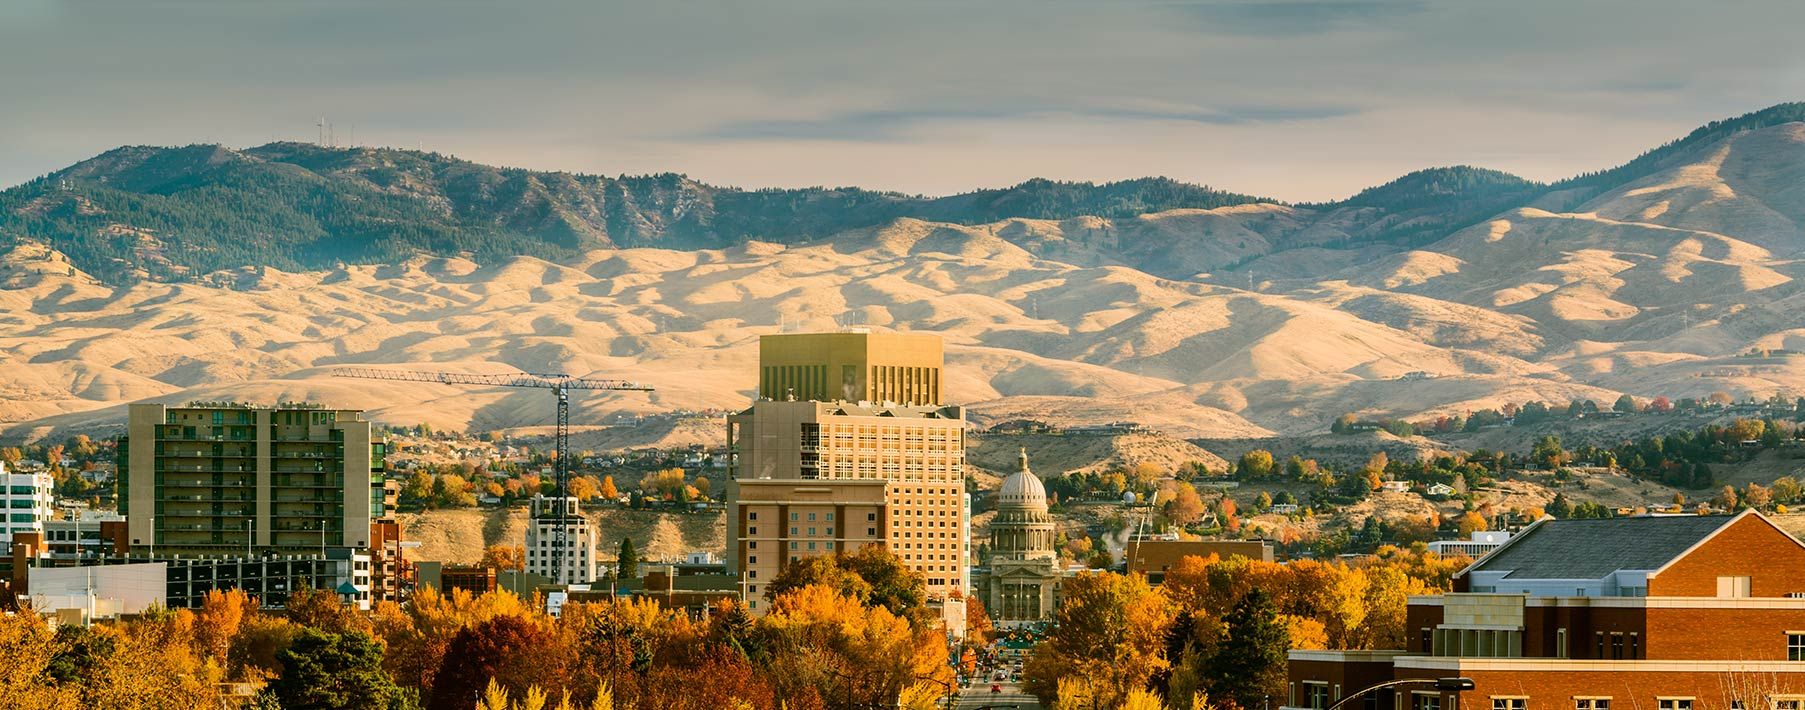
[214, 478]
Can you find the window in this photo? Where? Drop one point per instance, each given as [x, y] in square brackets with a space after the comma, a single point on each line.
[752, 530]
[792, 530]
[752, 516]
[1732, 587]
[870, 517]
[1675, 703]
[1795, 645]
[1560, 646]
[830, 517]
[811, 517]
[1617, 645]
[1427, 639]
[793, 517]
[1431, 701]
[1509, 703]
[752, 560]
[811, 532]
[1591, 704]
[1316, 695]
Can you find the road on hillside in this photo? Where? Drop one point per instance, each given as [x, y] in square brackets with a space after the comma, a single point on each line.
[978, 695]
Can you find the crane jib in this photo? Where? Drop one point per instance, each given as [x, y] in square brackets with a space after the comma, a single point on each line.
[560, 384]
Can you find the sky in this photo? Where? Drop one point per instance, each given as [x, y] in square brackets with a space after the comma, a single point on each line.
[1299, 100]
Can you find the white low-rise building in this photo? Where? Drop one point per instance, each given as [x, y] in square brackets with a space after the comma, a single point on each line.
[1481, 542]
[28, 499]
[578, 565]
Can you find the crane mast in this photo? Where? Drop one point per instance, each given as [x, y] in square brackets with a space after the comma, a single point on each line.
[559, 384]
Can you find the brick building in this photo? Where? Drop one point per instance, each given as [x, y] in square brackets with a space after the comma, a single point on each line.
[1662, 613]
[1154, 558]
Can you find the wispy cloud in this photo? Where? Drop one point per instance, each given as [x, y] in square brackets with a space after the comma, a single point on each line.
[1295, 17]
[911, 124]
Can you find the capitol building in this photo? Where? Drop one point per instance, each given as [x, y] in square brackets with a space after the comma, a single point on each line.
[1022, 584]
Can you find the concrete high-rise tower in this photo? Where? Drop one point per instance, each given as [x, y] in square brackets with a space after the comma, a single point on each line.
[848, 445]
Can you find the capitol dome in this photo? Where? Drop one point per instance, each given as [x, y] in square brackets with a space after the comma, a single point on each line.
[1023, 488]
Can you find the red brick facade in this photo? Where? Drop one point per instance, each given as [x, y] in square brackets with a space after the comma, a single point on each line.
[1750, 547]
[1681, 641]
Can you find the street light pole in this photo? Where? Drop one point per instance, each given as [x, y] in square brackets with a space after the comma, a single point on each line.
[1447, 684]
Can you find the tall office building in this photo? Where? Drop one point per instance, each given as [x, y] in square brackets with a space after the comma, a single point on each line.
[214, 478]
[28, 500]
[903, 368]
[816, 476]
[579, 563]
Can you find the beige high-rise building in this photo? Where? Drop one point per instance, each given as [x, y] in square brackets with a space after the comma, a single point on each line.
[889, 472]
[903, 368]
[210, 478]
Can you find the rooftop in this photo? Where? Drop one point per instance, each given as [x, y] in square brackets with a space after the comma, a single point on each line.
[1592, 549]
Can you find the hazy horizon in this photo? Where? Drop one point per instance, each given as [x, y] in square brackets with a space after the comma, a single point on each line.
[1297, 100]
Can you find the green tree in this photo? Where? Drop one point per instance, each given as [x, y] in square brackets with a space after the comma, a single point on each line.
[1548, 453]
[324, 671]
[893, 585]
[1625, 404]
[629, 559]
[1249, 664]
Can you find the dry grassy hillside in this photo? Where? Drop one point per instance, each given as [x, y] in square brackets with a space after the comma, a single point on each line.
[1059, 455]
[1657, 287]
[460, 535]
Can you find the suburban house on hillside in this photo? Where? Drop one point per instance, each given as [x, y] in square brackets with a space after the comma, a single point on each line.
[1663, 613]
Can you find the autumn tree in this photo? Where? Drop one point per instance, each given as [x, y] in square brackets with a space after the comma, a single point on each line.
[510, 649]
[1756, 496]
[585, 488]
[978, 626]
[1786, 489]
[1470, 523]
[323, 610]
[30, 648]
[1110, 632]
[608, 491]
[820, 571]
[1185, 507]
[857, 655]
[504, 557]
[1726, 498]
[222, 614]
[452, 491]
[1254, 465]
[872, 575]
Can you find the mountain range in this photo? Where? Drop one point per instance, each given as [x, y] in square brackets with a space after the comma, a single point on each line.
[203, 272]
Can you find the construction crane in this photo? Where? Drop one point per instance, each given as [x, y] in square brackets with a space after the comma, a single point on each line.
[559, 384]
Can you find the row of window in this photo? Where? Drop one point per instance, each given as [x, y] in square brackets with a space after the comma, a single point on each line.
[1316, 696]
[1604, 703]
